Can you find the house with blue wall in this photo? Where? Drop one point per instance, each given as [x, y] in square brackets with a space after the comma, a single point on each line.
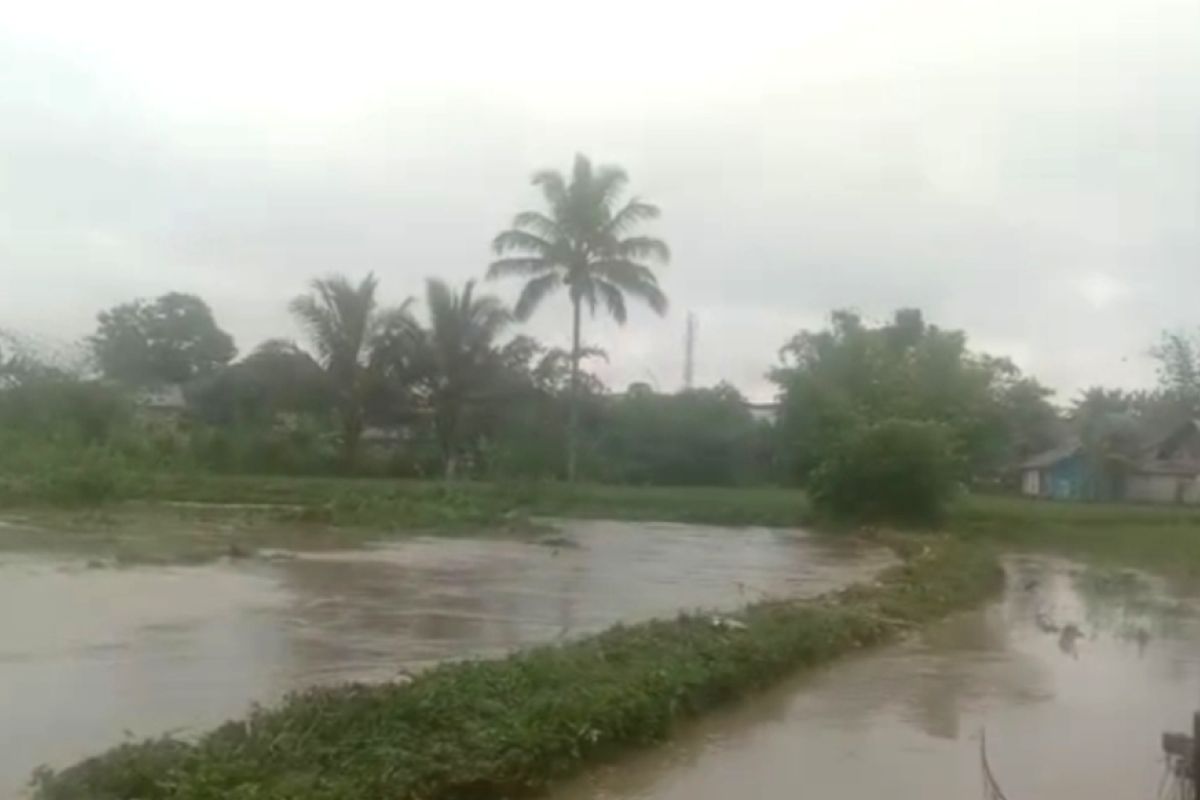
[1058, 474]
[1167, 470]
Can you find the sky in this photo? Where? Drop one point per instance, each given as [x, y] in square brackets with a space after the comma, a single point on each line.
[1025, 170]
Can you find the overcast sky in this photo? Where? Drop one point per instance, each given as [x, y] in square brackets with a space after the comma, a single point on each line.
[1027, 170]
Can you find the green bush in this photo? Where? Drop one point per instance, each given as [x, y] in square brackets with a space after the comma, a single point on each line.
[897, 470]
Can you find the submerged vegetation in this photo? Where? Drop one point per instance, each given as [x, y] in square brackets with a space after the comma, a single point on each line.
[504, 728]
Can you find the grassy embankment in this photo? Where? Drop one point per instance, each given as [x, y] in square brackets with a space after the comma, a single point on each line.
[1163, 538]
[283, 511]
[197, 517]
[505, 728]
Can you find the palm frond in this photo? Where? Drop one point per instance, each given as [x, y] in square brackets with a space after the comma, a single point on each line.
[585, 290]
[317, 323]
[534, 292]
[614, 300]
[608, 183]
[489, 317]
[440, 301]
[581, 171]
[338, 318]
[639, 248]
[538, 224]
[514, 240]
[553, 186]
[629, 215]
[398, 318]
[634, 279]
[521, 267]
[623, 270]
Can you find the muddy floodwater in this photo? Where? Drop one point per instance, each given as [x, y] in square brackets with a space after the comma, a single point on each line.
[1074, 675]
[91, 654]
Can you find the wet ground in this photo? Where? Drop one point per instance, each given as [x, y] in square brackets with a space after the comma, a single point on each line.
[91, 653]
[1074, 675]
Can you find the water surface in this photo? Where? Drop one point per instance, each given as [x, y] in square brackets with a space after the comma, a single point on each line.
[91, 655]
[1067, 717]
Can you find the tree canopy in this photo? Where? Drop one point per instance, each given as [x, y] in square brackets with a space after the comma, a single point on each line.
[172, 339]
[584, 243]
[850, 375]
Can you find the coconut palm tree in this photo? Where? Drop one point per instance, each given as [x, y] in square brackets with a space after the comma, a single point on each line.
[585, 245]
[340, 319]
[459, 357]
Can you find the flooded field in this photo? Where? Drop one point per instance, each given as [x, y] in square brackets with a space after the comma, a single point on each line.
[91, 653]
[1074, 675]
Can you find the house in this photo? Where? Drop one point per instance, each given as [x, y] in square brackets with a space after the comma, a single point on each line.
[1166, 471]
[1058, 474]
[1169, 471]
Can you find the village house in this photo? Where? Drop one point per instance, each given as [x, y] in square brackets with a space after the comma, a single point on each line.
[1167, 471]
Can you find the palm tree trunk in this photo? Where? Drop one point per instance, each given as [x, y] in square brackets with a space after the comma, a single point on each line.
[573, 400]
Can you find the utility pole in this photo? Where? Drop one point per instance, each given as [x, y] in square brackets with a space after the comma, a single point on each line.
[689, 358]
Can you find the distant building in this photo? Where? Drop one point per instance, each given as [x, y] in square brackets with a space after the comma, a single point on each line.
[1167, 471]
[1059, 474]
[1170, 470]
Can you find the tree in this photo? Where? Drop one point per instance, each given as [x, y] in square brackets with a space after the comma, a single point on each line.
[341, 319]
[1178, 396]
[1029, 422]
[460, 358]
[1178, 356]
[836, 381]
[703, 436]
[172, 339]
[584, 244]
[276, 378]
[893, 470]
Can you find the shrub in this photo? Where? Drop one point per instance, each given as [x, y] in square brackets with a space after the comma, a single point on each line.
[893, 471]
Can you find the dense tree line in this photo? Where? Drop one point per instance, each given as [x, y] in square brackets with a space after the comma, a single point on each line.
[874, 419]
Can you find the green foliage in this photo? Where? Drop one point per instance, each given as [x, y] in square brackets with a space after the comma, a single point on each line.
[892, 471]
[508, 727]
[458, 360]
[278, 378]
[342, 321]
[34, 471]
[1178, 356]
[298, 450]
[172, 339]
[57, 407]
[584, 244]
[835, 381]
[696, 437]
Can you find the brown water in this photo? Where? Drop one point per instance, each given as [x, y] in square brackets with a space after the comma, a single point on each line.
[88, 654]
[1066, 717]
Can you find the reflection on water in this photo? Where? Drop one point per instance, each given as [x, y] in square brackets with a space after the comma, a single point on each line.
[903, 722]
[87, 654]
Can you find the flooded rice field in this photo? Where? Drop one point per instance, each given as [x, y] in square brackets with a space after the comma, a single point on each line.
[91, 654]
[1074, 675]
